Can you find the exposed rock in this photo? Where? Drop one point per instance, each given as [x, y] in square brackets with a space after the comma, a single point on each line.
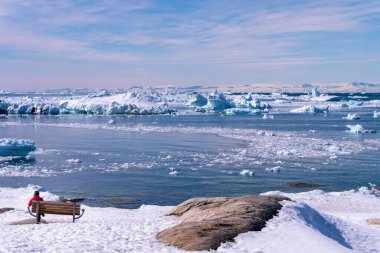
[374, 221]
[6, 209]
[208, 222]
[299, 184]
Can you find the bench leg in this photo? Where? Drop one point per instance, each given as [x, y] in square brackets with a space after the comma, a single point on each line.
[38, 214]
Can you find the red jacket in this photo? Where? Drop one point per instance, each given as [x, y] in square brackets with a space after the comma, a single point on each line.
[35, 198]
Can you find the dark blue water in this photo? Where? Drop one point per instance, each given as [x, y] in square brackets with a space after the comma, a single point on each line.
[127, 168]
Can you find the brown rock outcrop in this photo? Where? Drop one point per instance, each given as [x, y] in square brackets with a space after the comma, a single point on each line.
[208, 222]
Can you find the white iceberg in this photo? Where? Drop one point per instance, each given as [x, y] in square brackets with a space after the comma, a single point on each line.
[130, 103]
[16, 147]
[355, 103]
[73, 161]
[198, 100]
[310, 109]
[352, 116]
[268, 116]
[358, 129]
[275, 169]
[217, 101]
[242, 111]
[247, 173]
[376, 114]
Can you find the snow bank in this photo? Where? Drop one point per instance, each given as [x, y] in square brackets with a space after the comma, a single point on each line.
[16, 147]
[313, 222]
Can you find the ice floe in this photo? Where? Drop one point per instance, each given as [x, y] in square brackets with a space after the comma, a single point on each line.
[16, 147]
[247, 172]
[359, 129]
[310, 109]
[352, 116]
[129, 103]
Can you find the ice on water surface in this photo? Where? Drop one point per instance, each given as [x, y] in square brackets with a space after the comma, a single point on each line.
[16, 147]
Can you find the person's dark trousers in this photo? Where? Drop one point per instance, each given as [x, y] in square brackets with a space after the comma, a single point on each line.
[38, 217]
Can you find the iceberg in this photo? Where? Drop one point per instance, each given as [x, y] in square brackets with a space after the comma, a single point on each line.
[376, 114]
[268, 116]
[275, 169]
[197, 101]
[3, 107]
[247, 173]
[358, 129]
[352, 116]
[16, 147]
[355, 103]
[241, 111]
[130, 103]
[310, 109]
[217, 101]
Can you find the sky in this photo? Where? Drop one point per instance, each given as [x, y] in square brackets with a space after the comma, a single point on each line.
[117, 43]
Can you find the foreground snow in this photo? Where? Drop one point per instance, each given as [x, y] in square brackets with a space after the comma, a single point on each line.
[315, 222]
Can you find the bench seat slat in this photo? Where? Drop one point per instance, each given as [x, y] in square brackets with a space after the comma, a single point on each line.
[51, 207]
[52, 203]
[58, 211]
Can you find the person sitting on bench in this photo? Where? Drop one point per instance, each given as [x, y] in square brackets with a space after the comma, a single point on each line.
[36, 197]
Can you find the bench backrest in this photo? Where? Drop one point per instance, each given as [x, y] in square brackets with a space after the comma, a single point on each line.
[51, 207]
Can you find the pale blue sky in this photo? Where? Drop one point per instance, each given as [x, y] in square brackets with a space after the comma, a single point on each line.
[110, 44]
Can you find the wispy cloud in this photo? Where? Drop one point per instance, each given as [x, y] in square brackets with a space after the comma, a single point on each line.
[259, 34]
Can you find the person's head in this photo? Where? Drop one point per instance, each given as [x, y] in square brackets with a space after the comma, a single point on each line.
[37, 193]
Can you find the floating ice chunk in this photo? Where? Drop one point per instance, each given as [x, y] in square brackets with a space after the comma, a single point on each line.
[242, 111]
[3, 107]
[111, 122]
[268, 116]
[247, 173]
[275, 169]
[73, 161]
[310, 109]
[197, 101]
[355, 103]
[174, 173]
[376, 114]
[358, 129]
[217, 101]
[16, 147]
[333, 148]
[284, 153]
[129, 103]
[352, 116]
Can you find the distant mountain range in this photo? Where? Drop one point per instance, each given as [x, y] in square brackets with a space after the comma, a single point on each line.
[354, 87]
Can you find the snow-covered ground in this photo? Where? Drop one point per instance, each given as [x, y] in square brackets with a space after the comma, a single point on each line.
[315, 222]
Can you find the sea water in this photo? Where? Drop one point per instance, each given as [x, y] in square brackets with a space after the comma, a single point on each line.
[131, 162]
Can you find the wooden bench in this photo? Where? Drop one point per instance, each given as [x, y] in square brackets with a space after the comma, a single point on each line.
[51, 207]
